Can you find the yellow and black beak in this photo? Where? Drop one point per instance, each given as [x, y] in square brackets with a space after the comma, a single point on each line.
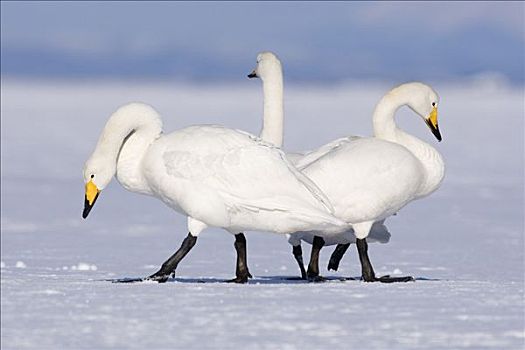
[253, 74]
[432, 122]
[92, 193]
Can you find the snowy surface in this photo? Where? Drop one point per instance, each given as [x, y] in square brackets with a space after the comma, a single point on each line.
[465, 243]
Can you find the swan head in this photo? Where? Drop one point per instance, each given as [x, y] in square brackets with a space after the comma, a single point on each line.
[267, 64]
[423, 100]
[97, 176]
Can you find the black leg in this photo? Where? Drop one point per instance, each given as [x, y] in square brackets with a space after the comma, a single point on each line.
[241, 271]
[367, 271]
[313, 266]
[169, 266]
[337, 255]
[298, 255]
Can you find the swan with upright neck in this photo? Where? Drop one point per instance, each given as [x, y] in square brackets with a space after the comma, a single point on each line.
[270, 71]
[216, 176]
[369, 179]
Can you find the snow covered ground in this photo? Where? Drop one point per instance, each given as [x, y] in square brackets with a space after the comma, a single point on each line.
[465, 243]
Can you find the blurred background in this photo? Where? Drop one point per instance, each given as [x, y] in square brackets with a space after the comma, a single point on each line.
[66, 66]
[319, 41]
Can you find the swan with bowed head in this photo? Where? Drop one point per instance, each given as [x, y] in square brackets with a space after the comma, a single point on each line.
[367, 179]
[214, 175]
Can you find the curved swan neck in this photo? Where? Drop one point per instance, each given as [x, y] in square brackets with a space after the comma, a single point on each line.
[131, 128]
[272, 128]
[385, 128]
[383, 119]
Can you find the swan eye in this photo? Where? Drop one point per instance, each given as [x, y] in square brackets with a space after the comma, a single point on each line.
[433, 104]
[92, 175]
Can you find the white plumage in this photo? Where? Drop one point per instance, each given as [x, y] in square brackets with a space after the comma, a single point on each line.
[366, 179]
[369, 179]
[219, 176]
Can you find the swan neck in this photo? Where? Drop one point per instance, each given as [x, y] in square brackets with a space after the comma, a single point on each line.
[383, 119]
[110, 143]
[273, 120]
[129, 162]
[125, 139]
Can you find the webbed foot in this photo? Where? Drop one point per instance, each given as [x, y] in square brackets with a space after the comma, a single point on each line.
[240, 279]
[389, 279]
[316, 279]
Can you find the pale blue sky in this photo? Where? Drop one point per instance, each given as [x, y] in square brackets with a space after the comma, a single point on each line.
[317, 41]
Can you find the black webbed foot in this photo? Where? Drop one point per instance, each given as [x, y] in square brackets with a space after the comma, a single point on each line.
[316, 279]
[239, 279]
[367, 271]
[389, 279]
[169, 266]
[157, 277]
[127, 280]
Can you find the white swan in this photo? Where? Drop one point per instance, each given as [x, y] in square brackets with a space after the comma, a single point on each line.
[381, 174]
[269, 70]
[214, 175]
[370, 179]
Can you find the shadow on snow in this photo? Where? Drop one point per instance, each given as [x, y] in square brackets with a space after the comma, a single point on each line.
[255, 280]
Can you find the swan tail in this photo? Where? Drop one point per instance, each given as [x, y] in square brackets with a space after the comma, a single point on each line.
[379, 233]
[320, 222]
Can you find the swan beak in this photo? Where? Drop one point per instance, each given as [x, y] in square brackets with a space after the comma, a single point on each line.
[92, 193]
[432, 122]
[253, 74]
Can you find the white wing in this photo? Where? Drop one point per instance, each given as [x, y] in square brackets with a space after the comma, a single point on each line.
[230, 178]
[301, 161]
[367, 179]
